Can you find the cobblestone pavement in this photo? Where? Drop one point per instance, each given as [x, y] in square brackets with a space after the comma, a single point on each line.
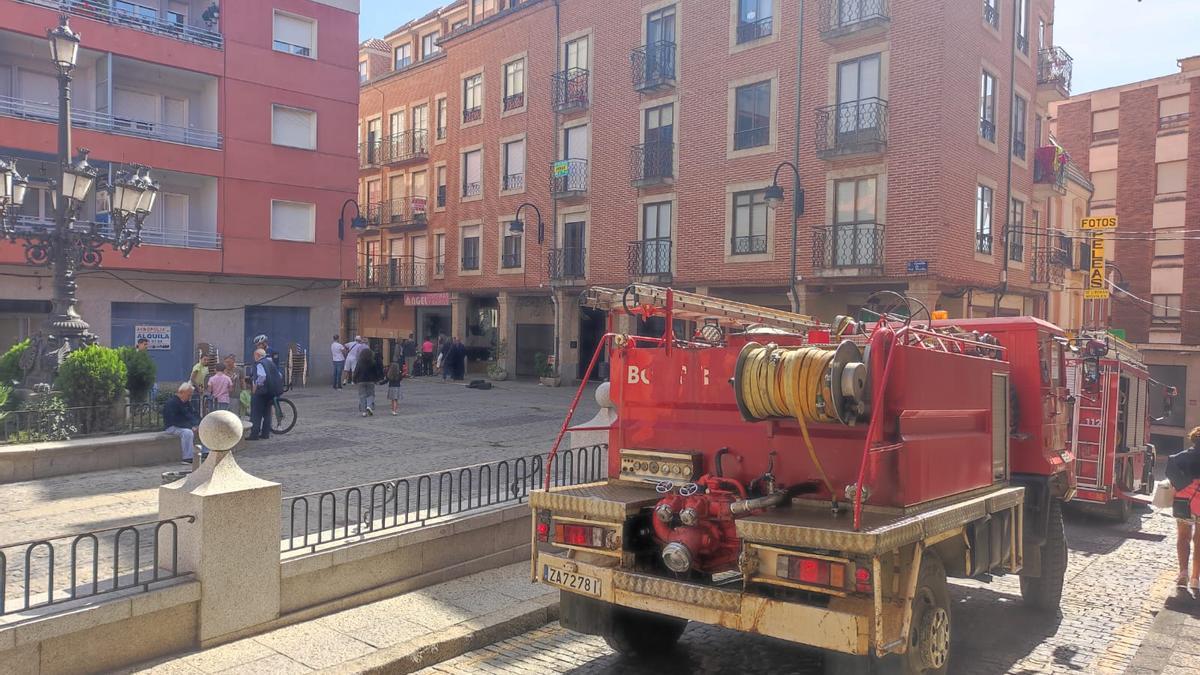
[1118, 577]
[440, 426]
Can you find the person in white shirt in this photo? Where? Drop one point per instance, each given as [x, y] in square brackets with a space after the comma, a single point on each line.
[338, 351]
[353, 349]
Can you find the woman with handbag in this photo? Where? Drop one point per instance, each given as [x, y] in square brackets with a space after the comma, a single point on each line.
[1183, 471]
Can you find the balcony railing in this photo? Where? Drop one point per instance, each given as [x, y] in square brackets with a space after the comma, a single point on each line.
[652, 163]
[653, 66]
[369, 154]
[99, 10]
[569, 177]
[567, 262]
[404, 211]
[1050, 266]
[987, 130]
[108, 123]
[150, 237]
[749, 245]
[513, 181]
[510, 261]
[848, 249]
[373, 213]
[469, 262]
[441, 133]
[1050, 169]
[749, 31]
[991, 13]
[570, 90]
[405, 146]
[472, 114]
[843, 17]
[983, 242]
[649, 257]
[514, 102]
[472, 189]
[1018, 148]
[383, 273]
[851, 128]
[1054, 70]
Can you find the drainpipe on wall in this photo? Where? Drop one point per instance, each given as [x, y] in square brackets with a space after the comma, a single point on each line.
[553, 201]
[1012, 83]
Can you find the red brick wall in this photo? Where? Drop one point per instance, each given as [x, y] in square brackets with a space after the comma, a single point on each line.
[1191, 248]
[1136, 187]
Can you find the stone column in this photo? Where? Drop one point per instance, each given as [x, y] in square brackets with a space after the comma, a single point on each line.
[458, 315]
[508, 329]
[233, 545]
[925, 291]
[568, 332]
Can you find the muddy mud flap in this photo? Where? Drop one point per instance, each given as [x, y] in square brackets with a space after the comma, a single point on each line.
[584, 615]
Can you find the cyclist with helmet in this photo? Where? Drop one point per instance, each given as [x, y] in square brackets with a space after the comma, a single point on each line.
[260, 342]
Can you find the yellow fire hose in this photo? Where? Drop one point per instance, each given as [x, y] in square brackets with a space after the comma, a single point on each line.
[789, 382]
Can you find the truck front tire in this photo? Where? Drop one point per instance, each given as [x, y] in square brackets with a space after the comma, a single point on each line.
[1044, 592]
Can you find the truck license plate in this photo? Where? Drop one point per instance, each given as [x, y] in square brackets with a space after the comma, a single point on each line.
[571, 581]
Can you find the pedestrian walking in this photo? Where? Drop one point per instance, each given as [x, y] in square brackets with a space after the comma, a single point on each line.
[337, 350]
[443, 358]
[427, 357]
[353, 349]
[457, 356]
[220, 386]
[409, 349]
[395, 375]
[180, 420]
[366, 374]
[1183, 471]
[267, 384]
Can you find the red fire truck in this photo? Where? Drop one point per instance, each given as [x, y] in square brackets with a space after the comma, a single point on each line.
[814, 483]
[1114, 460]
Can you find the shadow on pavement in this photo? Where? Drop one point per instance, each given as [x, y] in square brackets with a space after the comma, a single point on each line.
[987, 623]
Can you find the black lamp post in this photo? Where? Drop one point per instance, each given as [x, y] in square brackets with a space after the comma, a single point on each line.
[517, 226]
[69, 245]
[356, 223]
[774, 196]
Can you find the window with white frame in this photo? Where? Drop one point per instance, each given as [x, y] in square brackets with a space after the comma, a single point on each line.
[294, 35]
[470, 248]
[1167, 309]
[514, 84]
[362, 71]
[749, 223]
[403, 56]
[429, 45]
[1016, 230]
[472, 97]
[987, 107]
[441, 187]
[439, 254]
[1020, 111]
[983, 219]
[472, 173]
[510, 255]
[293, 221]
[441, 119]
[752, 115]
[293, 127]
[514, 165]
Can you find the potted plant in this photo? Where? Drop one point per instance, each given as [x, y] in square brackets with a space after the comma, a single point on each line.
[547, 373]
[497, 370]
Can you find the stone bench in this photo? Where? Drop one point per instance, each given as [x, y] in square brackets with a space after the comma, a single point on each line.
[31, 461]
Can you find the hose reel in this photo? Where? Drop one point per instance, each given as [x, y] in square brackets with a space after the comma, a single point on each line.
[812, 384]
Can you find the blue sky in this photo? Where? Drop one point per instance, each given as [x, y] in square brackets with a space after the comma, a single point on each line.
[1113, 41]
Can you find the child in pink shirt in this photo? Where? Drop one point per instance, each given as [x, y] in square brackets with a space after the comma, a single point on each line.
[219, 387]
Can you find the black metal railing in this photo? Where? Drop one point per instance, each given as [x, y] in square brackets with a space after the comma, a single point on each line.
[472, 189]
[1054, 69]
[1018, 148]
[567, 262]
[369, 154]
[102, 10]
[749, 31]
[441, 133]
[514, 101]
[853, 127]
[568, 177]
[749, 245]
[1050, 266]
[649, 257]
[441, 196]
[1016, 244]
[403, 211]
[131, 556]
[751, 138]
[651, 163]
[848, 246]
[345, 514]
[469, 262]
[405, 146]
[653, 65]
[390, 272]
[983, 242]
[570, 90]
[439, 265]
[472, 114]
[987, 130]
[60, 423]
[513, 181]
[1023, 43]
[841, 17]
[511, 261]
[991, 13]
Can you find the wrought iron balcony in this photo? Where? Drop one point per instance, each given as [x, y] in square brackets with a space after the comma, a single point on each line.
[513, 181]
[840, 18]
[652, 163]
[510, 261]
[987, 130]
[983, 242]
[567, 262]
[100, 10]
[373, 213]
[472, 189]
[369, 154]
[991, 13]
[853, 249]
[406, 146]
[514, 102]
[389, 273]
[1018, 148]
[472, 114]
[754, 244]
[653, 66]
[1050, 168]
[1047, 266]
[569, 178]
[469, 262]
[649, 258]
[81, 118]
[852, 128]
[1054, 71]
[404, 211]
[749, 31]
[570, 90]
[441, 133]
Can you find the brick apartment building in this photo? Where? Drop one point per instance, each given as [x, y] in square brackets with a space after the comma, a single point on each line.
[1142, 148]
[646, 134]
[245, 120]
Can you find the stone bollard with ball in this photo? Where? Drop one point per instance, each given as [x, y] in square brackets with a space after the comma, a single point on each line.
[232, 547]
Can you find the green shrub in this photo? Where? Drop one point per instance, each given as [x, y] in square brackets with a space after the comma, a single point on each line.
[92, 376]
[140, 373]
[10, 363]
[49, 420]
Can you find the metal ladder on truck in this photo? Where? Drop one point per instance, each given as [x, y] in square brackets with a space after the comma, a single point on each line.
[646, 300]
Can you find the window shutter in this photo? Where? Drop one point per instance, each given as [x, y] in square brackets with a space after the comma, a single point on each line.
[293, 30]
[293, 221]
[293, 127]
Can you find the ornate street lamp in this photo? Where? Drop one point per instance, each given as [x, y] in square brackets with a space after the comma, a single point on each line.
[65, 247]
[774, 195]
[517, 226]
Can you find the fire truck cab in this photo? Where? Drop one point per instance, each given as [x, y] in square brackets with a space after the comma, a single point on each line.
[1114, 459]
[814, 483]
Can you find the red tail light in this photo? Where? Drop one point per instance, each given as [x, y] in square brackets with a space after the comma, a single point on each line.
[579, 535]
[862, 580]
[812, 571]
[543, 531]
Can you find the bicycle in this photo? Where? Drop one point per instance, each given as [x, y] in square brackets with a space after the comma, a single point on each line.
[285, 416]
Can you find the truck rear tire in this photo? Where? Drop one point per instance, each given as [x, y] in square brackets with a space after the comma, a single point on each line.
[1045, 592]
[1119, 510]
[637, 633]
